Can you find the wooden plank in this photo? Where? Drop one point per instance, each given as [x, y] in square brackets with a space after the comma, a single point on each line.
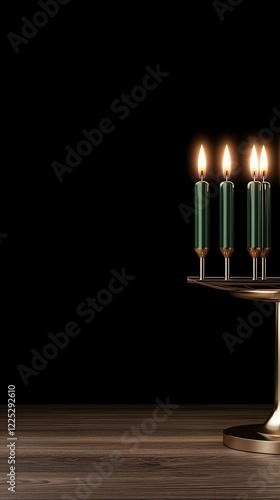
[126, 452]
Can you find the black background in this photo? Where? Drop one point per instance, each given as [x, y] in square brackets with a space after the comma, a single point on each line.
[120, 208]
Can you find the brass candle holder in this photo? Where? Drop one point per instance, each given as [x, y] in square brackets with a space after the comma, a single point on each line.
[255, 253]
[263, 254]
[201, 252]
[227, 253]
[265, 437]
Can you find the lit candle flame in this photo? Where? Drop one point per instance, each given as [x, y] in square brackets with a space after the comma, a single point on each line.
[254, 163]
[226, 163]
[201, 163]
[263, 163]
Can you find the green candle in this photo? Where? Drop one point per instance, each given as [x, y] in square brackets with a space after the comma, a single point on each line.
[226, 209]
[254, 191]
[254, 212]
[201, 200]
[202, 209]
[266, 215]
[266, 205]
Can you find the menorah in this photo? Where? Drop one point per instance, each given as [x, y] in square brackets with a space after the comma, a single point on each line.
[265, 437]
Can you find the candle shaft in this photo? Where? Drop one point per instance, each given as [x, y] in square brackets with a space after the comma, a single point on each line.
[263, 268]
[202, 268]
[227, 268]
[255, 268]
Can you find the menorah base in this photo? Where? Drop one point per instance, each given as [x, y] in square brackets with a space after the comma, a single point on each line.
[261, 438]
[253, 438]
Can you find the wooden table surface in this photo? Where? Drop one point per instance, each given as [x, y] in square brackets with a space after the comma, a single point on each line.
[130, 452]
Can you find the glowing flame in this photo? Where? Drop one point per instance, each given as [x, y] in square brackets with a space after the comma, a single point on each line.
[263, 163]
[201, 163]
[254, 164]
[226, 163]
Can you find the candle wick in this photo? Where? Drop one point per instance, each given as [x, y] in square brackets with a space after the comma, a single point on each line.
[201, 175]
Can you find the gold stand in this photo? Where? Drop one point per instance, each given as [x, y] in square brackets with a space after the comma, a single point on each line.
[261, 438]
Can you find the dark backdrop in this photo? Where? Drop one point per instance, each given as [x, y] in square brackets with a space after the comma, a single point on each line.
[127, 207]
